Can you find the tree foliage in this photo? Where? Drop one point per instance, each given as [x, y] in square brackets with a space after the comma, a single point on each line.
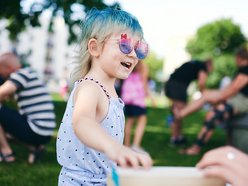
[155, 65]
[224, 65]
[216, 38]
[19, 17]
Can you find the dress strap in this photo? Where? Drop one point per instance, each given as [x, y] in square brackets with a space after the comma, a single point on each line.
[97, 82]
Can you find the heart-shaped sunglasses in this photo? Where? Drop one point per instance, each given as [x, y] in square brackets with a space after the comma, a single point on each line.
[140, 48]
[126, 47]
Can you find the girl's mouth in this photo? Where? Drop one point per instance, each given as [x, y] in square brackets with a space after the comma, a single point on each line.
[126, 64]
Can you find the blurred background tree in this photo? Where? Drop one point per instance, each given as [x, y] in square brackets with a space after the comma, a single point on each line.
[155, 65]
[217, 40]
[20, 14]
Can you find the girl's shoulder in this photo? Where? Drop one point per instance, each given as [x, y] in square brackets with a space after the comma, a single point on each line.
[86, 88]
[91, 87]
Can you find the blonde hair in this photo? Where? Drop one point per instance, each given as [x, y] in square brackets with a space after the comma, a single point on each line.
[100, 24]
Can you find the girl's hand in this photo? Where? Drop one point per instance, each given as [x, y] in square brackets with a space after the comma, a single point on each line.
[126, 157]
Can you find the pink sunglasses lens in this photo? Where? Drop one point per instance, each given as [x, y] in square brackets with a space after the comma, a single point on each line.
[141, 50]
[125, 46]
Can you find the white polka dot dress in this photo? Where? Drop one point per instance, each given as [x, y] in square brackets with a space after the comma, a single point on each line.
[82, 165]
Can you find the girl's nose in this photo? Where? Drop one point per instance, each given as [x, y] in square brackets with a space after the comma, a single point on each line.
[132, 53]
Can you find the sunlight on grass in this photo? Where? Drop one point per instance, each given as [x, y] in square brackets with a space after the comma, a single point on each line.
[155, 129]
[193, 129]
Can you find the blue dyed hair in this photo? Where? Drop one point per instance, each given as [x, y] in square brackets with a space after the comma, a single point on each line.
[101, 24]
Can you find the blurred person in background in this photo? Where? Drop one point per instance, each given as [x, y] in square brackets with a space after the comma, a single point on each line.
[176, 90]
[135, 89]
[34, 121]
[228, 102]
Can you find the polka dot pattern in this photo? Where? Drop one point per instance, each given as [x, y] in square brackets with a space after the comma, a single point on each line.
[82, 165]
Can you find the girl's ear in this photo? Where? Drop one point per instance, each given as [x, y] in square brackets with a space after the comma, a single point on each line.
[93, 47]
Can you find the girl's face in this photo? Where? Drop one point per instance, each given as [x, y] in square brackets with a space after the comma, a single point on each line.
[119, 59]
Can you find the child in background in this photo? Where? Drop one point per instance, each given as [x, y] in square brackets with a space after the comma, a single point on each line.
[134, 91]
[90, 137]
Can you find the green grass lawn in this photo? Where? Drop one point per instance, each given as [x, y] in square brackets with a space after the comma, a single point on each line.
[155, 141]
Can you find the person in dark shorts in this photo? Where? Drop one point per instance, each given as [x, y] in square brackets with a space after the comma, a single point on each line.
[176, 90]
[34, 121]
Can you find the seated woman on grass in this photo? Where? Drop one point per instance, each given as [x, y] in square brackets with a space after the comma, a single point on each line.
[227, 102]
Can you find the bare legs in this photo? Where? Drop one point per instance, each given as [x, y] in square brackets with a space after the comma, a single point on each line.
[139, 131]
[213, 117]
[176, 127]
[128, 130]
[7, 153]
[202, 138]
[180, 110]
[5, 149]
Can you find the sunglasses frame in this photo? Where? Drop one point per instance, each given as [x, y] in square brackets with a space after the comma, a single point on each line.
[141, 48]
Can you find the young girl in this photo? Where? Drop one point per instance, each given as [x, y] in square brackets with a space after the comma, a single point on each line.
[90, 137]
